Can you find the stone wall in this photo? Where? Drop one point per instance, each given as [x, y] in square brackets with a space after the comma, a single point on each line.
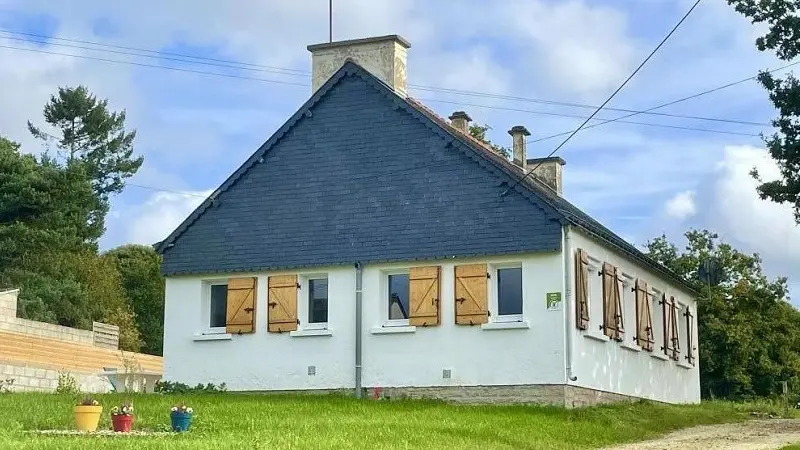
[545, 394]
[33, 353]
[102, 335]
[28, 378]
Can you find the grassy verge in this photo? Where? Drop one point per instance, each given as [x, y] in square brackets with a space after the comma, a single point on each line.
[231, 421]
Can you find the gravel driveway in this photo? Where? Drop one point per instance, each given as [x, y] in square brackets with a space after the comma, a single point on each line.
[750, 435]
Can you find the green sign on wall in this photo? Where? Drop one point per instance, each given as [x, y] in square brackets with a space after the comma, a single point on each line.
[554, 301]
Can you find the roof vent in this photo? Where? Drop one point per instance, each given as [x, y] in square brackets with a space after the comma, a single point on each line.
[518, 134]
[460, 121]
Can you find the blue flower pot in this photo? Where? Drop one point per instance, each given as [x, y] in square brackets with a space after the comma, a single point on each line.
[180, 421]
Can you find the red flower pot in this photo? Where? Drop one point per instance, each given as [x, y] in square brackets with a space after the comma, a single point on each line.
[122, 423]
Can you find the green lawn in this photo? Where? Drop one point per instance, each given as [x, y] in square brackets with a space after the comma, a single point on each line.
[239, 421]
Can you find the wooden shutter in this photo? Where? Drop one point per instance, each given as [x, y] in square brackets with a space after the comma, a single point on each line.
[689, 340]
[612, 303]
[240, 310]
[618, 310]
[676, 339]
[424, 296]
[471, 294]
[282, 303]
[666, 314]
[644, 317]
[581, 289]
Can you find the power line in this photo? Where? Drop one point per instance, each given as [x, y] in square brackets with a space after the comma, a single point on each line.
[159, 57]
[141, 186]
[155, 52]
[232, 64]
[664, 105]
[132, 63]
[577, 105]
[547, 113]
[613, 94]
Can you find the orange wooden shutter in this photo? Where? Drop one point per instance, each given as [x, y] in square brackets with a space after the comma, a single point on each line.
[282, 303]
[581, 289]
[619, 319]
[609, 300]
[689, 340]
[666, 314]
[424, 296]
[676, 338]
[240, 311]
[471, 294]
[644, 317]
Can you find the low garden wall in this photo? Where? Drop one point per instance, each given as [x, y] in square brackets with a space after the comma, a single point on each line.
[33, 353]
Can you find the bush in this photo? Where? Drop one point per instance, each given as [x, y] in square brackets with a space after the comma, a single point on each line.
[67, 384]
[176, 387]
[5, 385]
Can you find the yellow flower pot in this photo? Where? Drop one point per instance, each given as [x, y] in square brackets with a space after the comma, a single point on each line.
[87, 417]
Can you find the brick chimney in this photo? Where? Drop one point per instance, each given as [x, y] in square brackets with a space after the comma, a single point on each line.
[383, 56]
[460, 121]
[518, 134]
[548, 171]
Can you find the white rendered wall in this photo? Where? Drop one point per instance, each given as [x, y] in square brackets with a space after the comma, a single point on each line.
[474, 355]
[623, 368]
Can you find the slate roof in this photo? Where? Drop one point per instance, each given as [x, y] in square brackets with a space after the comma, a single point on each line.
[554, 206]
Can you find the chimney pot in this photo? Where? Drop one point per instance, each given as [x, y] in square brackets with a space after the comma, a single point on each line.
[382, 56]
[518, 134]
[548, 171]
[460, 120]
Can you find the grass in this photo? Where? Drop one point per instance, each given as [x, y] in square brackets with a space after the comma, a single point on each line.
[244, 421]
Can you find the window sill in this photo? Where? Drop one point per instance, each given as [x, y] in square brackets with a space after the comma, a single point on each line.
[212, 337]
[312, 332]
[630, 346]
[394, 329]
[685, 365]
[659, 355]
[520, 325]
[595, 336]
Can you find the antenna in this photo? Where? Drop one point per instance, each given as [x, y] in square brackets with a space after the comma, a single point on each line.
[330, 20]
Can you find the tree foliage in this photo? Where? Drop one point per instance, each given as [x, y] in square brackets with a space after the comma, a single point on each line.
[479, 133]
[92, 139]
[52, 209]
[749, 334]
[782, 18]
[138, 266]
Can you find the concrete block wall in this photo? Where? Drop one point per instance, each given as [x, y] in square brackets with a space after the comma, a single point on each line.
[102, 335]
[32, 378]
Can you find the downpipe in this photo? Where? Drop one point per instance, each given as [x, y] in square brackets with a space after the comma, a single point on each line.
[569, 268]
[359, 275]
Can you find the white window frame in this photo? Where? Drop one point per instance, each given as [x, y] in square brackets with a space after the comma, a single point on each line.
[494, 307]
[384, 296]
[304, 303]
[206, 327]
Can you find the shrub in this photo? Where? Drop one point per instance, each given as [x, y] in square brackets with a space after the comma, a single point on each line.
[176, 387]
[67, 384]
[5, 385]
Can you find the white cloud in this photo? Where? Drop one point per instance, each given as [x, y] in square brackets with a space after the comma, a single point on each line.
[681, 205]
[585, 49]
[160, 215]
[761, 225]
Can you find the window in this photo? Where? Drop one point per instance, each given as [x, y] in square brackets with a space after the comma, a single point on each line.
[218, 303]
[398, 296]
[509, 292]
[318, 301]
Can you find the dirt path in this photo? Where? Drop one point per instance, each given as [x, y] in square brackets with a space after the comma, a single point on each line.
[750, 435]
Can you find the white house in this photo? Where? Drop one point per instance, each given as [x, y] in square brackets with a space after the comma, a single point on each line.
[371, 244]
